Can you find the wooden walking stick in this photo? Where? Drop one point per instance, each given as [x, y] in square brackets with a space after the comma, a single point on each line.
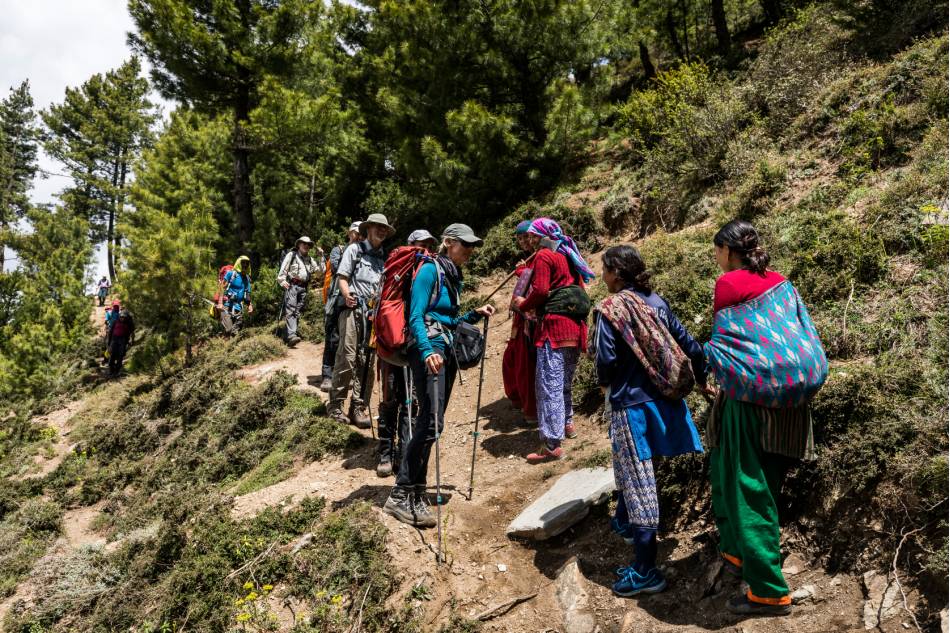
[508, 278]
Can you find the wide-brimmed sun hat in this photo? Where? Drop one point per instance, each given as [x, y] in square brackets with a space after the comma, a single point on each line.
[354, 227]
[305, 240]
[378, 219]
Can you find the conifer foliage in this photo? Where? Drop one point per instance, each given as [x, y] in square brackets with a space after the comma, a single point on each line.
[18, 146]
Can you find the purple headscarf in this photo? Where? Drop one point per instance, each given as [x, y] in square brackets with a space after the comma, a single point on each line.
[546, 227]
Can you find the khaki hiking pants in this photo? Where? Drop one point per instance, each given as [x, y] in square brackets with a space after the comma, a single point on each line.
[348, 369]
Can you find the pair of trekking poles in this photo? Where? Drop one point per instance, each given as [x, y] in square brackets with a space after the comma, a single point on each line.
[434, 398]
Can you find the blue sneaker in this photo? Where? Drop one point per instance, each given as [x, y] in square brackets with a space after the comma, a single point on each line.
[625, 530]
[631, 583]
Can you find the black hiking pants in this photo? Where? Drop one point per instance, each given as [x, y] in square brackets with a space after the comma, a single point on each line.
[393, 410]
[432, 402]
[117, 348]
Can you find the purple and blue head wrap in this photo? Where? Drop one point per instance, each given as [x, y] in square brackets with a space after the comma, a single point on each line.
[546, 227]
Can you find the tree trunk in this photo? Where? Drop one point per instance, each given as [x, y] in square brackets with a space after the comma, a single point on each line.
[772, 9]
[722, 27]
[649, 70]
[684, 9]
[110, 231]
[671, 31]
[242, 175]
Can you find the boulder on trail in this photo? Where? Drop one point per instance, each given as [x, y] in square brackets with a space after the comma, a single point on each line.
[564, 504]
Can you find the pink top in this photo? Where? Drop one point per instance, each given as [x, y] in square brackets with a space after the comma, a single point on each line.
[739, 286]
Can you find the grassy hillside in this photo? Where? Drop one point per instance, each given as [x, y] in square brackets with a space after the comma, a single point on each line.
[836, 151]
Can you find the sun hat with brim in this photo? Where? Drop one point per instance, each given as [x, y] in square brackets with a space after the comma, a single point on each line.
[305, 240]
[420, 235]
[376, 218]
[462, 233]
[354, 227]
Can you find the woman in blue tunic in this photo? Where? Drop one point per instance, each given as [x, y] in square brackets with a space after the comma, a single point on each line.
[644, 423]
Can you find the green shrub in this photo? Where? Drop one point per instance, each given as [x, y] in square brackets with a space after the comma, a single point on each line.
[755, 192]
[823, 253]
[797, 59]
[256, 349]
[684, 273]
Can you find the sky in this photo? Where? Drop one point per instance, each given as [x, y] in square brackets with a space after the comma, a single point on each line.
[55, 44]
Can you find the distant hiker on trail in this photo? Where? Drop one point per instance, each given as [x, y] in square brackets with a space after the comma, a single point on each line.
[112, 315]
[103, 290]
[395, 393]
[635, 332]
[769, 363]
[520, 359]
[433, 366]
[562, 307]
[333, 305]
[296, 273]
[234, 292]
[121, 338]
[359, 276]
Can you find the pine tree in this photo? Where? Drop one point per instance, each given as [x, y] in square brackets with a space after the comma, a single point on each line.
[50, 317]
[18, 146]
[98, 131]
[169, 264]
[214, 56]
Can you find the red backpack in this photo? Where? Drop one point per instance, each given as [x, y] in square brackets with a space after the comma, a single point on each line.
[390, 323]
[224, 270]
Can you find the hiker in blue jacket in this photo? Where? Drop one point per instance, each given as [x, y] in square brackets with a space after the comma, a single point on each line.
[432, 363]
[234, 292]
[643, 422]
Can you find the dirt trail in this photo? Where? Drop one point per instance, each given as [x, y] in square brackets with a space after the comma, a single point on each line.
[59, 421]
[485, 568]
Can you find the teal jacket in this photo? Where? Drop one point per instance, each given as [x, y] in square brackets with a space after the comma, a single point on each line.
[426, 316]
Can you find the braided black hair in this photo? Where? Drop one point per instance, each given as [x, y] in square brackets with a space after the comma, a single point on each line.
[742, 239]
[625, 261]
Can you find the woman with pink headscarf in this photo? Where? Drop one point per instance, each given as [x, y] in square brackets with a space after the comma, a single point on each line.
[559, 338]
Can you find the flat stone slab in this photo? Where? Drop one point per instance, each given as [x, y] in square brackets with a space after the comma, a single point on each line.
[564, 504]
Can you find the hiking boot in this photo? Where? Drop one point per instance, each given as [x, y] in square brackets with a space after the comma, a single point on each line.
[420, 505]
[632, 583]
[326, 384]
[293, 340]
[569, 431]
[359, 416]
[399, 505]
[385, 466]
[545, 454]
[337, 415]
[742, 605]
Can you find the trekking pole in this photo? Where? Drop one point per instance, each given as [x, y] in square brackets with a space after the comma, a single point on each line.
[478, 407]
[434, 402]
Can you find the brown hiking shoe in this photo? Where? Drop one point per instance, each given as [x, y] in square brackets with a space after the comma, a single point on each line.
[359, 416]
[337, 415]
